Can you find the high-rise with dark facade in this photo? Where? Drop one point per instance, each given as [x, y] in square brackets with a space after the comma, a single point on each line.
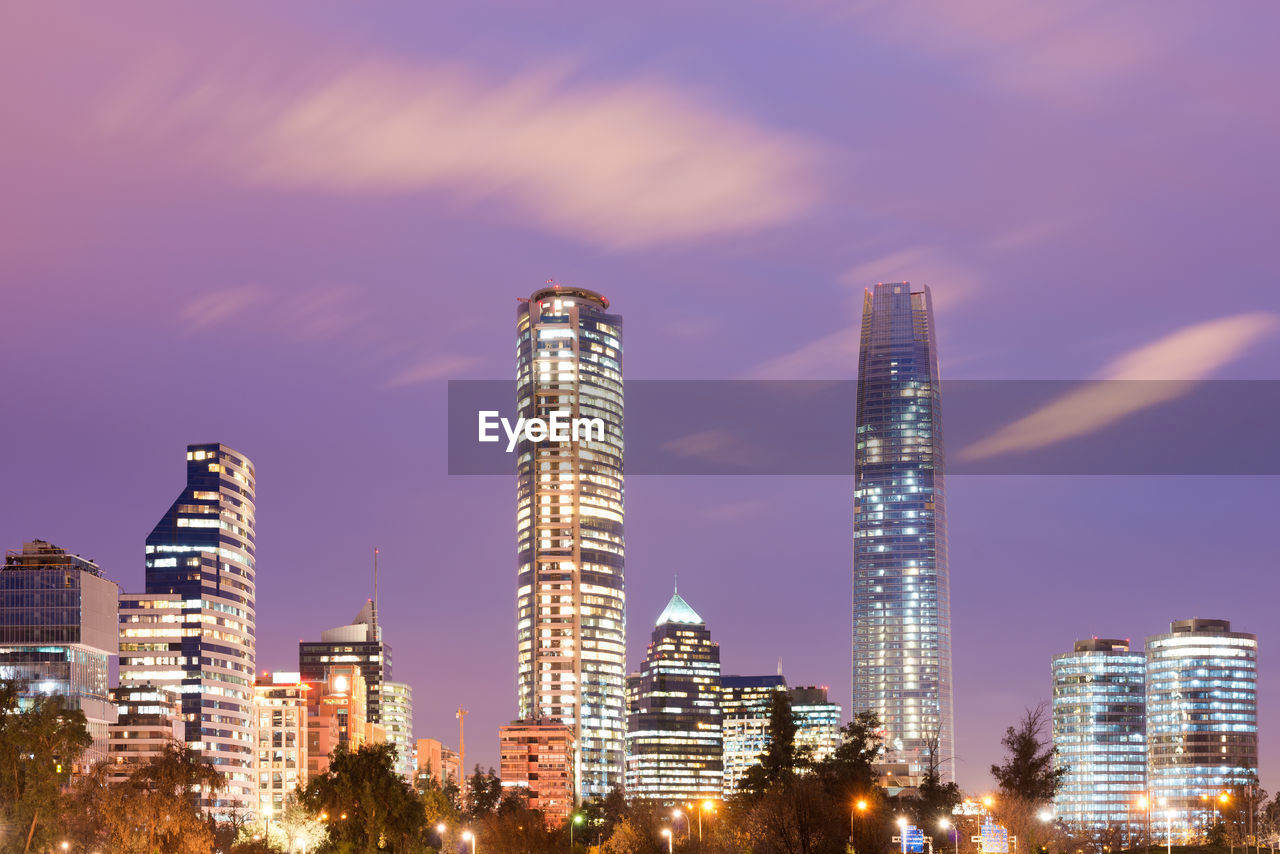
[1202, 719]
[193, 628]
[59, 631]
[901, 583]
[674, 741]
[570, 598]
[746, 703]
[358, 643]
[1099, 733]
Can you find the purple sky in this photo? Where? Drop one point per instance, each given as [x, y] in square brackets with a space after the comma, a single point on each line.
[283, 227]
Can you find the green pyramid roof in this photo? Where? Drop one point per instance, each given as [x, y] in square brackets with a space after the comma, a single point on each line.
[678, 611]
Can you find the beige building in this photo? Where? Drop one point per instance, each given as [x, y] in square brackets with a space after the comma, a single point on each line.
[433, 757]
[538, 758]
[150, 719]
[280, 704]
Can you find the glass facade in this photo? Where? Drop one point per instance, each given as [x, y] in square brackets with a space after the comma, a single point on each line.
[901, 586]
[1099, 733]
[674, 742]
[397, 721]
[193, 628]
[1202, 718]
[58, 631]
[359, 643]
[570, 600]
[817, 721]
[744, 719]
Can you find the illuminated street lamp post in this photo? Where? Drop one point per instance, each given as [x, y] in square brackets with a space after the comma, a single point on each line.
[703, 807]
[859, 808]
[945, 824]
[688, 828]
[666, 831]
[575, 820]
[468, 836]
[1144, 804]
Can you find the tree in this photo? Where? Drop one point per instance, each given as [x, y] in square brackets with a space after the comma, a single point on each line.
[302, 831]
[934, 798]
[369, 806]
[39, 744]
[1028, 773]
[781, 758]
[484, 794]
[155, 811]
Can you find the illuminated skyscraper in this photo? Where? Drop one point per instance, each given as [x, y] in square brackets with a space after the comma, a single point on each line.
[1202, 718]
[1099, 733]
[59, 631]
[397, 721]
[570, 601]
[817, 721]
[674, 742]
[359, 643]
[901, 584]
[745, 705]
[193, 629]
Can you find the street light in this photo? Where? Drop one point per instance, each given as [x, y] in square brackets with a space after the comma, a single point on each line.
[666, 831]
[945, 824]
[575, 820]
[858, 808]
[675, 814]
[704, 807]
[1145, 805]
[468, 836]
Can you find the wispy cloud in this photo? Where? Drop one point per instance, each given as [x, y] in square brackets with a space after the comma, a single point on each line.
[1178, 360]
[1066, 54]
[633, 162]
[219, 306]
[435, 368]
[835, 356]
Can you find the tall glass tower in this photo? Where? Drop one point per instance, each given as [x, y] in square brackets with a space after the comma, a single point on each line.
[193, 629]
[675, 748]
[901, 585]
[1202, 719]
[1099, 733]
[570, 600]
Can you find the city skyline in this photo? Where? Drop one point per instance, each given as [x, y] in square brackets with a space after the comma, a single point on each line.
[1083, 201]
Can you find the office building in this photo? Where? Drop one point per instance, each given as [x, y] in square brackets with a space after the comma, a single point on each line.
[150, 719]
[337, 713]
[1202, 719]
[280, 703]
[537, 759]
[358, 643]
[193, 628]
[901, 586]
[674, 739]
[571, 614]
[817, 721]
[58, 632]
[397, 721]
[437, 765]
[1099, 733]
[745, 704]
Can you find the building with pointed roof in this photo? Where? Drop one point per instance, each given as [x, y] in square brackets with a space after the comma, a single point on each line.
[674, 742]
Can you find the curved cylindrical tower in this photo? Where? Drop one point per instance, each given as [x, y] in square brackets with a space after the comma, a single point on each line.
[571, 603]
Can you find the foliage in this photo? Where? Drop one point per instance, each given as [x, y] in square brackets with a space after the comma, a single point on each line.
[368, 805]
[38, 747]
[484, 794]
[156, 810]
[781, 758]
[1028, 773]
